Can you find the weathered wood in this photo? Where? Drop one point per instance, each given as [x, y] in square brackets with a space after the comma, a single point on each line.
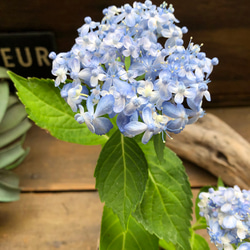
[51, 221]
[54, 165]
[223, 26]
[229, 83]
[216, 147]
[237, 118]
[47, 14]
[198, 177]
[55, 221]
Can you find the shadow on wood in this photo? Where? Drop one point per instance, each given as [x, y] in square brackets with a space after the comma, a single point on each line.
[215, 146]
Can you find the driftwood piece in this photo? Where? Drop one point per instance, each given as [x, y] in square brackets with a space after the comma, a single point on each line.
[215, 146]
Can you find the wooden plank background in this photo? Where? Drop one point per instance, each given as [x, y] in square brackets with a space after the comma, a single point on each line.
[50, 221]
[223, 26]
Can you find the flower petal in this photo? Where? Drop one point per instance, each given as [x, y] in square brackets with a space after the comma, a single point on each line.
[102, 125]
[146, 137]
[229, 222]
[105, 105]
[147, 115]
[134, 128]
[170, 110]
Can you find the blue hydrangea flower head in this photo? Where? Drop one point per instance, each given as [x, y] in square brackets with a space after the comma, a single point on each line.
[244, 246]
[227, 212]
[120, 66]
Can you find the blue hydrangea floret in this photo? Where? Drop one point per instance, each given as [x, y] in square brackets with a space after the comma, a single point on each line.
[119, 67]
[227, 213]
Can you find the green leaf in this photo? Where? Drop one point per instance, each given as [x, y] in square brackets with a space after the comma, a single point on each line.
[121, 175]
[10, 154]
[166, 207]
[13, 116]
[49, 110]
[9, 186]
[159, 146]
[139, 78]
[19, 160]
[114, 237]
[12, 100]
[127, 62]
[200, 224]
[197, 242]
[220, 182]
[166, 245]
[4, 96]
[12, 134]
[3, 73]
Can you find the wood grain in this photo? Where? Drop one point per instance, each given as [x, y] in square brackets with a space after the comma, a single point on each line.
[223, 26]
[51, 221]
[237, 118]
[216, 147]
[56, 165]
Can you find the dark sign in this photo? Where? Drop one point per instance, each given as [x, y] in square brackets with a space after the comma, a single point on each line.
[26, 54]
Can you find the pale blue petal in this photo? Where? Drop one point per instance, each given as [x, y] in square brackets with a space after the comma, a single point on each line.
[105, 105]
[129, 109]
[119, 104]
[207, 96]
[244, 246]
[176, 126]
[152, 24]
[85, 90]
[130, 20]
[88, 121]
[72, 104]
[122, 120]
[84, 29]
[126, 53]
[119, 18]
[85, 74]
[102, 125]
[229, 222]
[93, 81]
[138, 68]
[146, 137]
[79, 118]
[90, 105]
[135, 54]
[122, 87]
[179, 98]
[170, 110]
[135, 128]
[147, 115]
[65, 89]
[165, 94]
[226, 207]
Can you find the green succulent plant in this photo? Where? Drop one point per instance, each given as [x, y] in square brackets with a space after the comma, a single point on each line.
[13, 127]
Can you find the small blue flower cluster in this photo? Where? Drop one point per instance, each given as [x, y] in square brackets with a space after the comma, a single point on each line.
[227, 212]
[119, 67]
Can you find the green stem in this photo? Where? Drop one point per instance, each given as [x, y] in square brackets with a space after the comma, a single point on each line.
[199, 225]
